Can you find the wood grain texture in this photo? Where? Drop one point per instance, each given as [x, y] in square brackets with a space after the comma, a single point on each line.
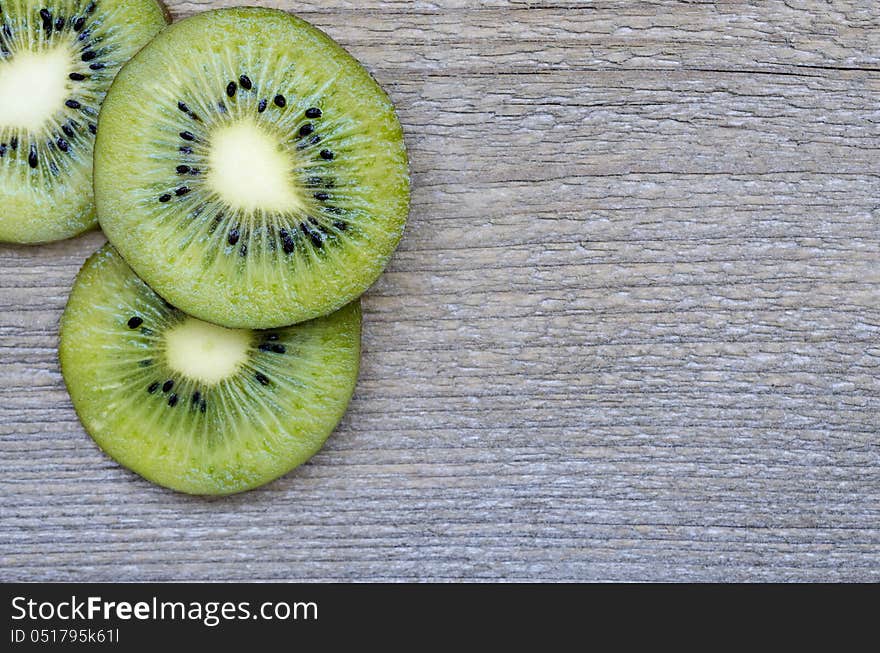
[632, 332]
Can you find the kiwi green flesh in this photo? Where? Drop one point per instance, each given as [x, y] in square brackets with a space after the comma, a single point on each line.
[57, 60]
[193, 406]
[250, 170]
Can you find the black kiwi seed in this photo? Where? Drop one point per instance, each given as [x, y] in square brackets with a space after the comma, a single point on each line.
[46, 15]
[135, 322]
[313, 112]
[243, 250]
[153, 387]
[287, 243]
[88, 55]
[187, 136]
[322, 197]
[67, 131]
[146, 362]
[79, 23]
[262, 378]
[2, 149]
[183, 107]
[327, 155]
[84, 35]
[182, 170]
[278, 349]
[231, 88]
[261, 107]
[186, 150]
[165, 198]
[316, 238]
[280, 101]
[32, 157]
[215, 223]
[172, 401]
[59, 23]
[180, 192]
[96, 66]
[166, 387]
[203, 406]
[13, 142]
[63, 145]
[245, 82]
[93, 128]
[91, 8]
[315, 140]
[197, 396]
[339, 224]
[233, 236]
[73, 104]
[306, 129]
[77, 77]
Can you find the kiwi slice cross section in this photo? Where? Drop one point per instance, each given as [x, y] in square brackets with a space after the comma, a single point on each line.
[250, 170]
[193, 406]
[57, 60]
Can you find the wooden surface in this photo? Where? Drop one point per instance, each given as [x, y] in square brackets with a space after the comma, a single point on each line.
[632, 332]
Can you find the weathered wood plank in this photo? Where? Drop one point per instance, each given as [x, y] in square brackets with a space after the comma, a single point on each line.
[631, 333]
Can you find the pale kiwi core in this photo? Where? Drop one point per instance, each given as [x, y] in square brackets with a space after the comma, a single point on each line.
[250, 171]
[206, 352]
[33, 87]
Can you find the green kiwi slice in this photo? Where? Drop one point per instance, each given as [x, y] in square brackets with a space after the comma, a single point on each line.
[250, 170]
[196, 407]
[57, 60]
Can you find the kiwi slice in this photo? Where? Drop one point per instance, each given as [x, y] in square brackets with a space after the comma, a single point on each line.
[196, 407]
[250, 170]
[57, 60]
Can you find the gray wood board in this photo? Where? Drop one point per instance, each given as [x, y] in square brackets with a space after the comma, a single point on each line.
[631, 332]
